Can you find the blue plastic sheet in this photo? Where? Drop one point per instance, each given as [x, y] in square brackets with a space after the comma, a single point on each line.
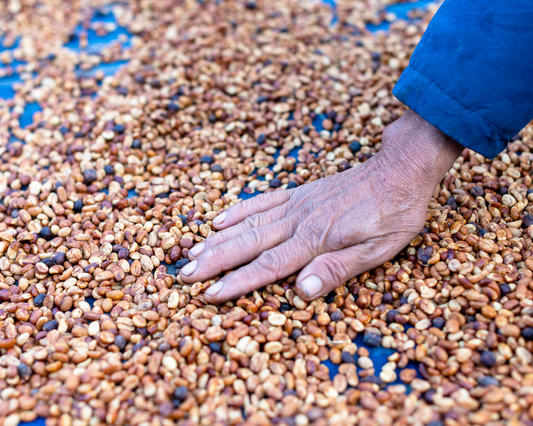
[96, 43]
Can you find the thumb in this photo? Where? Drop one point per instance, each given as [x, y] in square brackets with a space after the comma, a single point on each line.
[330, 270]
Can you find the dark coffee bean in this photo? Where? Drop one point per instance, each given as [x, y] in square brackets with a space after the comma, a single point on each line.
[15, 214]
[330, 297]
[275, 183]
[505, 289]
[403, 300]
[488, 381]
[261, 139]
[391, 315]
[424, 254]
[477, 191]
[5, 295]
[306, 130]
[372, 339]
[78, 206]
[138, 346]
[24, 371]
[527, 220]
[89, 176]
[488, 359]
[39, 299]
[296, 332]
[347, 358]
[284, 307]
[261, 99]
[482, 232]
[216, 168]
[355, 147]
[452, 203]
[388, 298]
[46, 233]
[59, 258]
[136, 144]
[119, 128]
[120, 341]
[163, 347]
[181, 263]
[503, 190]
[109, 170]
[344, 166]
[435, 423]
[527, 333]
[292, 185]
[429, 396]
[123, 90]
[439, 323]
[79, 135]
[181, 393]
[206, 159]
[372, 379]
[183, 219]
[216, 347]
[123, 253]
[337, 316]
[48, 262]
[50, 325]
[250, 5]
[63, 130]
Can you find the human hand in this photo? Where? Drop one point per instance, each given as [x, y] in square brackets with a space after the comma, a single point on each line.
[331, 229]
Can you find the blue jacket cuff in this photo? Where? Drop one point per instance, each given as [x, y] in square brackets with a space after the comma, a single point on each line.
[444, 112]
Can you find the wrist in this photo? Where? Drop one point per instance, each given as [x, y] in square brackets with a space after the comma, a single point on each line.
[419, 151]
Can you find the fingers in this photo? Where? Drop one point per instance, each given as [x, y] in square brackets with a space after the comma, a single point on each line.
[244, 209]
[269, 267]
[330, 270]
[254, 221]
[240, 249]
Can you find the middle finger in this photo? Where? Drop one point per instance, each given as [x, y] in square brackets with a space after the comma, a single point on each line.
[239, 250]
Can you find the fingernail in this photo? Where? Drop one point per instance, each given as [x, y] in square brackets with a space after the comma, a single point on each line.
[220, 218]
[189, 268]
[312, 285]
[197, 249]
[214, 289]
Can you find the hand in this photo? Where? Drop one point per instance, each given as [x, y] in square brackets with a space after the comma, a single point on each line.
[332, 229]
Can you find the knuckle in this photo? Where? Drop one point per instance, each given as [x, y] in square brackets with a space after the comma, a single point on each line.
[219, 237]
[252, 237]
[271, 261]
[254, 221]
[245, 278]
[212, 254]
[336, 270]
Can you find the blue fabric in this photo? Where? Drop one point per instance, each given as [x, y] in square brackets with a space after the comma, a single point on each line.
[470, 75]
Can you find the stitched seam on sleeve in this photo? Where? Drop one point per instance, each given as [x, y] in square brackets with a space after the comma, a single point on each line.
[501, 132]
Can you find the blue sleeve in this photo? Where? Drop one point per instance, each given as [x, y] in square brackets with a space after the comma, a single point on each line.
[471, 75]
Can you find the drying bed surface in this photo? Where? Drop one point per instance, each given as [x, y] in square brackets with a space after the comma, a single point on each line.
[127, 127]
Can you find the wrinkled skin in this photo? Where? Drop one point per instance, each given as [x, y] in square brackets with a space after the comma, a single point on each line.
[331, 229]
